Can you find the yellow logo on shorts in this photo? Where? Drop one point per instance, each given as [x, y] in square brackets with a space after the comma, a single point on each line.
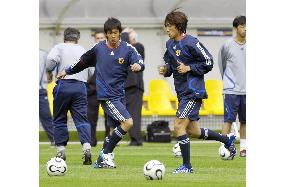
[177, 52]
[120, 60]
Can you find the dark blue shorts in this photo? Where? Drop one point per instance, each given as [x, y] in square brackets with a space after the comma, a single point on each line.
[116, 111]
[189, 108]
[233, 105]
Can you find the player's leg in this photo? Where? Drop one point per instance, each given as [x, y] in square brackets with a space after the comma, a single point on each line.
[242, 119]
[61, 102]
[79, 114]
[180, 127]
[112, 124]
[45, 115]
[206, 134]
[231, 105]
[107, 127]
[226, 128]
[93, 115]
[115, 109]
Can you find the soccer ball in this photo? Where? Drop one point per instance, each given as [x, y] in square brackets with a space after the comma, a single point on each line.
[224, 153]
[154, 170]
[56, 167]
[176, 150]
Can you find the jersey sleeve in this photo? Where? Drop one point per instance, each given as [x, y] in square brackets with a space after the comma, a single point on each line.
[204, 60]
[53, 58]
[167, 59]
[135, 57]
[222, 62]
[88, 59]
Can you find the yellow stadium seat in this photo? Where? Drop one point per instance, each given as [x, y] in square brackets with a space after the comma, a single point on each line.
[145, 106]
[160, 98]
[203, 111]
[215, 103]
[101, 111]
[50, 87]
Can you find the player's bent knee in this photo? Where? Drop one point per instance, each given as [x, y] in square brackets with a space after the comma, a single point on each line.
[128, 123]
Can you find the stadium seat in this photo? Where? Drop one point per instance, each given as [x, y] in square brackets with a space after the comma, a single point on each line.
[145, 106]
[203, 111]
[215, 103]
[101, 111]
[50, 87]
[160, 96]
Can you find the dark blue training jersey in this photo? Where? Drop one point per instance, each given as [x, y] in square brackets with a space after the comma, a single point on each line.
[111, 67]
[192, 53]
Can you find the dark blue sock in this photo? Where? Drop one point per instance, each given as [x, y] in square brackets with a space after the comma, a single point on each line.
[185, 148]
[207, 134]
[106, 141]
[116, 136]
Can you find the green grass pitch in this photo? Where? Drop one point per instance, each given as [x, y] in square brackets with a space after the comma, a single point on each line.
[209, 169]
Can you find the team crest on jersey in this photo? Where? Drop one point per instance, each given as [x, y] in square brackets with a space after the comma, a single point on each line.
[177, 52]
[120, 60]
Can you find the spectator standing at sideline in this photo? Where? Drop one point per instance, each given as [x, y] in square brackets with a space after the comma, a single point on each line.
[134, 89]
[232, 64]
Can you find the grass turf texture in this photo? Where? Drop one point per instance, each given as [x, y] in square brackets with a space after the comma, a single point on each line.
[209, 169]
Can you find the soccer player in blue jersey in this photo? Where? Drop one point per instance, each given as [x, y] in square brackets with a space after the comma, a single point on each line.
[188, 60]
[111, 59]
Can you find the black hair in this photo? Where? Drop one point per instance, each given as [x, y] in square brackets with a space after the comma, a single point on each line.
[177, 18]
[239, 20]
[71, 34]
[112, 23]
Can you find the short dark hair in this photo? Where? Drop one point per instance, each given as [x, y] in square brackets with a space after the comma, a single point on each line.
[71, 34]
[112, 23]
[239, 20]
[177, 18]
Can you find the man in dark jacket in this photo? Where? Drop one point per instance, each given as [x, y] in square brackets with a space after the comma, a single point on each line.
[134, 89]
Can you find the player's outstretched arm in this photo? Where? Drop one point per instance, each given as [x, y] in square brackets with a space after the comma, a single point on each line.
[88, 59]
[61, 75]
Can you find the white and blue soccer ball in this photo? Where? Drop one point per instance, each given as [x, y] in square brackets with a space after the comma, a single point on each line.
[154, 170]
[56, 167]
[176, 150]
[224, 153]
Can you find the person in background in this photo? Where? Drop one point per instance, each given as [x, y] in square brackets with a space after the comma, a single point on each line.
[44, 110]
[232, 64]
[93, 103]
[70, 93]
[134, 89]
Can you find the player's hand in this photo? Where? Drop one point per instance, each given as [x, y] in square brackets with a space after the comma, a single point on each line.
[61, 75]
[182, 68]
[135, 67]
[162, 69]
[49, 76]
